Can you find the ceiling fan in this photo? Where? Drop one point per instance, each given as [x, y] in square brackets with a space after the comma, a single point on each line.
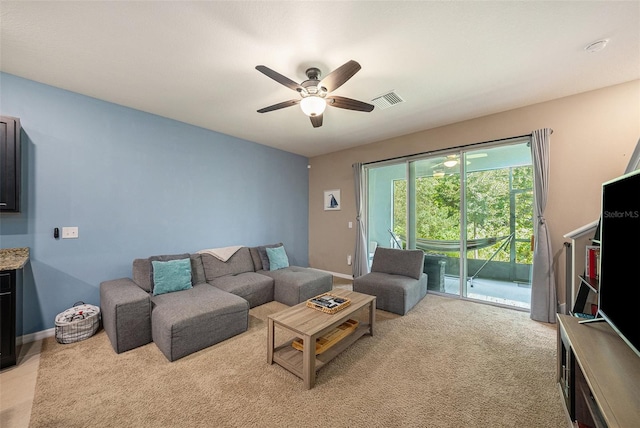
[452, 160]
[314, 93]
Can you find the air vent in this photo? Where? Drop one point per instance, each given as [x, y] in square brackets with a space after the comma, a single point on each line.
[387, 100]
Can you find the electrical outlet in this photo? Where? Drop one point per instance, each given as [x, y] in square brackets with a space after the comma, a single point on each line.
[69, 232]
[349, 259]
[350, 225]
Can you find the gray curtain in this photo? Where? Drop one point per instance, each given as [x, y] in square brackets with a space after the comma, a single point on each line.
[543, 286]
[360, 258]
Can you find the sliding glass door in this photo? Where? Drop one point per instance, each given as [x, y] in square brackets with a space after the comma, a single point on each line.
[498, 209]
[436, 222]
[470, 211]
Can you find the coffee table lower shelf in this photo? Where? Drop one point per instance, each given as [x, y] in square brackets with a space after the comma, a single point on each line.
[291, 359]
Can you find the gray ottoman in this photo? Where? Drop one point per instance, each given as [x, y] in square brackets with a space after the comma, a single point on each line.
[296, 284]
[190, 320]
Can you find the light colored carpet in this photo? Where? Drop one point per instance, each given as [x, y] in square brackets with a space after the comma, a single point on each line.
[447, 363]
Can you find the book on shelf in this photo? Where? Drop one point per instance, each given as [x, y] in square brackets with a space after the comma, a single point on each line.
[592, 261]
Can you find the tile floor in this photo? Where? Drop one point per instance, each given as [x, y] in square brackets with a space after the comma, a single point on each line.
[17, 387]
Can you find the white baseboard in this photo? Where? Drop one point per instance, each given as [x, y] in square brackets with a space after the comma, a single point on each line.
[38, 335]
[342, 275]
[339, 275]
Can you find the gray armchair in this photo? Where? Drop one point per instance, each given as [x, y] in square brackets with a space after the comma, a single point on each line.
[396, 279]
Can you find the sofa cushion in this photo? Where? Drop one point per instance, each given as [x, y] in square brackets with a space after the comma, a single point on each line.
[259, 256]
[143, 270]
[255, 257]
[197, 270]
[254, 288]
[277, 258]
[398, 262]
[185, 322]
[295, 284]
[171, 276]
[394, 293]
[240, 262]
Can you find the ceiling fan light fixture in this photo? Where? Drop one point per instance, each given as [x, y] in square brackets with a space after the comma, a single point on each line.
[313, 105]
[450, 163]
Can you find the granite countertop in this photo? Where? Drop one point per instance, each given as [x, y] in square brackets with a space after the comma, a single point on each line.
[13, 258]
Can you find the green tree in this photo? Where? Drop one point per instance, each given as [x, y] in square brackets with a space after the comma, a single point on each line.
[488, 199]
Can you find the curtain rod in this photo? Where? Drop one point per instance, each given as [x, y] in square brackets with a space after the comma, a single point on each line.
[449, 148]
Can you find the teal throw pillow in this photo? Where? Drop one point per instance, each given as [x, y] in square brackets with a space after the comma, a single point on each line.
[172, 275]
[277, 258]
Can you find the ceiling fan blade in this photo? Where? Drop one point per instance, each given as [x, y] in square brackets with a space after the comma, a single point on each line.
[278, 77]
[349, 104]
[316, 121]
[279, 106]
[337, 77]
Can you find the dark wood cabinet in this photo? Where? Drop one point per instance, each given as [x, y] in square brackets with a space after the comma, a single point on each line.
[7, 318]
[9, 164]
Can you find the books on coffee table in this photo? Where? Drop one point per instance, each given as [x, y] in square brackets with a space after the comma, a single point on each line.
[328, 303]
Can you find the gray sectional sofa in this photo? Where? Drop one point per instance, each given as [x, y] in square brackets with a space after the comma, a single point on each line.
[214, 307]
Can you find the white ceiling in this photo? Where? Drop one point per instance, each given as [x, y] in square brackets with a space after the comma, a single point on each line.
[195, 61]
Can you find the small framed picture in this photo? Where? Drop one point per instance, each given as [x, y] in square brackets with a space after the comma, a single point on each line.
[332, 200]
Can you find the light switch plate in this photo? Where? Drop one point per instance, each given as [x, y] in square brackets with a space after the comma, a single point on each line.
[69, 232]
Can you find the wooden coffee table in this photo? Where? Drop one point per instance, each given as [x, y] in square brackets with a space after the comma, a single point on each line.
[310, 324]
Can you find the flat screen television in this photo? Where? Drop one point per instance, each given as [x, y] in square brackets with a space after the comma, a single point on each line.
[619, 288]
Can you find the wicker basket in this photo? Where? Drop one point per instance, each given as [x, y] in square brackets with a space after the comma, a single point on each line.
[77, 323]
[344, 303]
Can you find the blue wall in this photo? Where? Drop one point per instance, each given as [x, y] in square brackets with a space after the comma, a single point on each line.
[135, 185]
